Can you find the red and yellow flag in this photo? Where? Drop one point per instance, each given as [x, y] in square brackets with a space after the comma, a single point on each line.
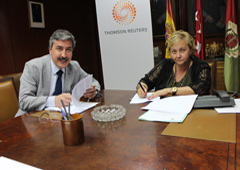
[199, 31]
[169, 25]
[231, 60]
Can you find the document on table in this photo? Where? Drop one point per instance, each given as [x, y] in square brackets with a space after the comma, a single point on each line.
[170, 109]
[7, 163]
[78, 108]
[136, 99]
[233, 109]
[77, 92]
[163, 116]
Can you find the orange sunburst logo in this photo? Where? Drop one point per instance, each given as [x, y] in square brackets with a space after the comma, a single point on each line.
[124, 12]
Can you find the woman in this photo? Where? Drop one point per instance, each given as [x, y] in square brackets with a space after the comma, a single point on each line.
[183, 74]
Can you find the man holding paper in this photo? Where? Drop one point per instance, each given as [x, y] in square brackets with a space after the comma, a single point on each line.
[49, 79]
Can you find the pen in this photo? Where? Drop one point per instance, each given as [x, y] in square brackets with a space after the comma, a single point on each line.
[69, 108]
[64, 117]
[141, 87]
[63, 114]
[67, 114]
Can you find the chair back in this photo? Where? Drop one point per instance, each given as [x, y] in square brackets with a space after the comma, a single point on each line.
[8, 99]
[16, 80]
[212, 64]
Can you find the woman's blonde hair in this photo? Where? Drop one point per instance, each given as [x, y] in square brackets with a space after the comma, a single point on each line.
[181, 35]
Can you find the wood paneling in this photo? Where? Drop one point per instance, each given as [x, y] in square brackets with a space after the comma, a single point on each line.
[22, 43]
[6, 56]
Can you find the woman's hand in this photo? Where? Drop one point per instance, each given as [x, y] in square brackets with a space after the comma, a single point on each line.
[142, 92]
[163, 92]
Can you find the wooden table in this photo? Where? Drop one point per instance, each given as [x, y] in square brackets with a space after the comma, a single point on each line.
[127, 144]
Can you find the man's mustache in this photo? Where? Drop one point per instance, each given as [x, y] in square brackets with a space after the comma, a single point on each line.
[63, 59]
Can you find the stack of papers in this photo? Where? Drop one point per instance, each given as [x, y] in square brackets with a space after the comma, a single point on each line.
[233, 109]
[77, 92]
[169, 109]
[80, 107]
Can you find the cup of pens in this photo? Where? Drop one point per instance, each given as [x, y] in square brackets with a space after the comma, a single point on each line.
[72, 129]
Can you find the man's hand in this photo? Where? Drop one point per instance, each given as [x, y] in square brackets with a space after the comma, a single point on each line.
[66, 97]
[90, 93]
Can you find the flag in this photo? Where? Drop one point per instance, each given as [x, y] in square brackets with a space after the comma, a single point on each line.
[231, 61]
[199, 31]
[169, 24]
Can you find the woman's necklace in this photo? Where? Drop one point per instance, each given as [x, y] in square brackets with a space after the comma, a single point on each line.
[183, 79]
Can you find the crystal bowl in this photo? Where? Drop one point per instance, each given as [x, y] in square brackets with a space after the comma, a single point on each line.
[109, 113]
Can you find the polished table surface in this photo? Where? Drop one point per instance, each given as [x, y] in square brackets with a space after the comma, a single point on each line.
[124, 144]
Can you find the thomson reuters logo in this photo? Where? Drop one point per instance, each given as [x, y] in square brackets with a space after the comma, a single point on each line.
[124, 12]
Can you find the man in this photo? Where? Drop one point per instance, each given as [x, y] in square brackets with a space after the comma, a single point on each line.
[40, 86]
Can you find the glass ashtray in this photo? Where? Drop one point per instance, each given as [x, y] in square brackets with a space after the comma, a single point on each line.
[108, 113]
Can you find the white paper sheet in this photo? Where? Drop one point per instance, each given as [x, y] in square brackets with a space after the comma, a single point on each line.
[77, 92]
[80, 107]
[11, 164]
[170, 109]
[233, 109]
[80, 88]
[180, 104]
[136, 99]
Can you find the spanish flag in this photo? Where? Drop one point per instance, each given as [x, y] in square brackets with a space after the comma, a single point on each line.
[231, 61]
[169, 25]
